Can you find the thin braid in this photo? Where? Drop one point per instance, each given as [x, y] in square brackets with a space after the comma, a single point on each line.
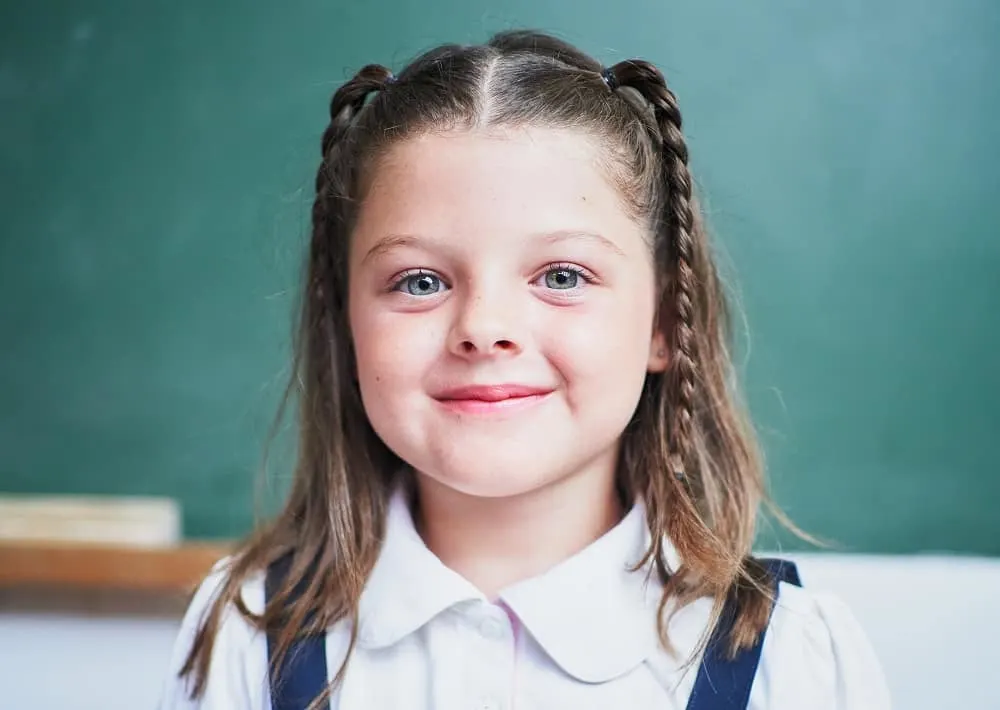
[647, 79]
[346, 104]
[679, 206]
[327, 276]
[692, 282]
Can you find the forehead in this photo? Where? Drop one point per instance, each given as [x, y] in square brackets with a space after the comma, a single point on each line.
[528, 180]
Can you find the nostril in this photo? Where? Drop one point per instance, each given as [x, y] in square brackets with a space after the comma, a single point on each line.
[469, 347]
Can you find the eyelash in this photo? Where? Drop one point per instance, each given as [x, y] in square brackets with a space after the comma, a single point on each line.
[397, 281]
[588, 276]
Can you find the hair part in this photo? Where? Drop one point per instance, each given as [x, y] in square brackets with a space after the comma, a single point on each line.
[689, 451]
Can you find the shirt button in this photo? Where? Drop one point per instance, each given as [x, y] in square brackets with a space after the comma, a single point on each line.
[491, 629]
[489, 704]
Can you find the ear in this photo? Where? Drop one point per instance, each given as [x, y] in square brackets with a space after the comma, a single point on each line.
[659, 353]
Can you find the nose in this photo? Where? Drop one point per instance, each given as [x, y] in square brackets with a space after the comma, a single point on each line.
[487, 325]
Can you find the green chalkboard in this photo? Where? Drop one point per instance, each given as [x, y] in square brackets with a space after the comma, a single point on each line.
[155, 164]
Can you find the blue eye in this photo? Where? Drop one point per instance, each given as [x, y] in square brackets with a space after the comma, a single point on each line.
[420, 284]
[562, 278]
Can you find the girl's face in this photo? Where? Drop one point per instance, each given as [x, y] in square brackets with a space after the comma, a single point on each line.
[502, 307]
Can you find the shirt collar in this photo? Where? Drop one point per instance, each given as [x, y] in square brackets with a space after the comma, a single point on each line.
[590, 613]
[408, 585]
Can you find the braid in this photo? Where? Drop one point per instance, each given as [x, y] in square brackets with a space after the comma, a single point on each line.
[680, 250]
[695, 377]
[345, 105]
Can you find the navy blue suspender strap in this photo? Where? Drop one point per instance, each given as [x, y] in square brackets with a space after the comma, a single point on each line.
[723, 683]
[301, 676]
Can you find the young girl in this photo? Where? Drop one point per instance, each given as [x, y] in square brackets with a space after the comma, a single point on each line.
[523, 478]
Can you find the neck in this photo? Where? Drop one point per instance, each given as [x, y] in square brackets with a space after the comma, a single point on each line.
[496, 542]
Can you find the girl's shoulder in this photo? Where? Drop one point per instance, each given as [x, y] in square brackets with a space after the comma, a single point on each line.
[815, 647]
[237, 676]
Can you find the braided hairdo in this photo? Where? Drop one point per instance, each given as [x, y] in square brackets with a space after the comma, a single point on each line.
[678, 214]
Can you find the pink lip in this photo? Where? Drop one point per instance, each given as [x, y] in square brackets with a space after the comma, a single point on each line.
[487, 399]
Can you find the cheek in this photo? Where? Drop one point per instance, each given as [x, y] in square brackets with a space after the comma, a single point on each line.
[393, 351]
[606, 346]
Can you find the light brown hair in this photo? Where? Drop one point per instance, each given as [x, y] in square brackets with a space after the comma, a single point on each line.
[688, 452]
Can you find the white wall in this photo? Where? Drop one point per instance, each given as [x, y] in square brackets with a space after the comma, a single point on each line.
[933, 620]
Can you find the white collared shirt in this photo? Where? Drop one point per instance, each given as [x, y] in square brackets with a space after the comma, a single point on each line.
[581, 635]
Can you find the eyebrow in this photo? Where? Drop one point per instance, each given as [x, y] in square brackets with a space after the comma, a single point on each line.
[394, 241]
[577, 235]
[387, 243]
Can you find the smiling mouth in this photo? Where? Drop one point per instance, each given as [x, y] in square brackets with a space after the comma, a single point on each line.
[492, 399]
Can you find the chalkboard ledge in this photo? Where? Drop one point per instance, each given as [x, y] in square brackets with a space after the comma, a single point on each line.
[106, 567]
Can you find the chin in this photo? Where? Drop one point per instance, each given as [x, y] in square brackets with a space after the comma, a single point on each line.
[486, 489]
[517, 471]
[503, 477]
